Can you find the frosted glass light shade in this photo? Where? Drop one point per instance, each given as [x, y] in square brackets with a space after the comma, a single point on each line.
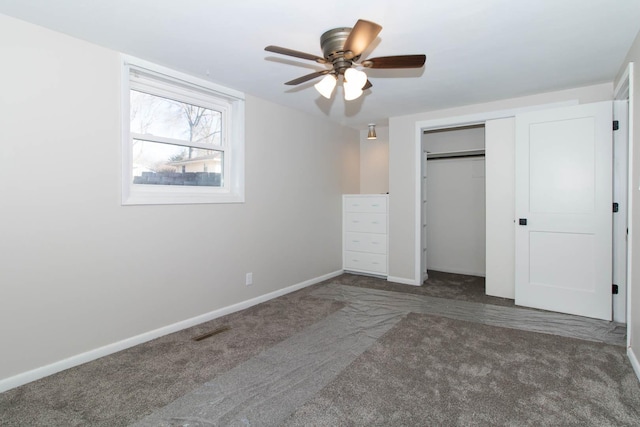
[355, 77]
[351, 92]
[326, 85]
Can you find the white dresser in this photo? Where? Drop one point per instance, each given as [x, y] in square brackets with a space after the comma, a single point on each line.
[364, 227]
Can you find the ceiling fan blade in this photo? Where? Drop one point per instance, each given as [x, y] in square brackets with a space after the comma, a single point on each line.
[295, 53]
[307, 77]
[400, 61]
[367, 85]
[361, 36]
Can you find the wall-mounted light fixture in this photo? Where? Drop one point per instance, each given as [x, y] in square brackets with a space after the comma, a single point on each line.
[372, 131]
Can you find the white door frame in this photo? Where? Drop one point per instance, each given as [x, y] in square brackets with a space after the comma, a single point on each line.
[624, 90]
[620, 221]
[424, 275]
[452, 122]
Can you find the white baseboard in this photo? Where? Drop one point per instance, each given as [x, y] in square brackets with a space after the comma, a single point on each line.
[402, 280]
[634, 361]
[79, 359]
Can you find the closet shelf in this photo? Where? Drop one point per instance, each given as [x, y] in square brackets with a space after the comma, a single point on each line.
[452, 154]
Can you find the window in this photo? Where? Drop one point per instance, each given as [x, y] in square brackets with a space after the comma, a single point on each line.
[183, 138]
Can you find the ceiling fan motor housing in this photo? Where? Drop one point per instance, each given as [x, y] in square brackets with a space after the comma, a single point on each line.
[332, 44]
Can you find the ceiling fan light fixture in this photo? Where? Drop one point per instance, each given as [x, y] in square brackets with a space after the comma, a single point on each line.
[372, 131]
[354, 81]
[355, 77]
[342, 48]
[326, 85]
[351, 92]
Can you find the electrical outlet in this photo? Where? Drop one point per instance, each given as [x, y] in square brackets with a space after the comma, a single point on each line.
[249, 279]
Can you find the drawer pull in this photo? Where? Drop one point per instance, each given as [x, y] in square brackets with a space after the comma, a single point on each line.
[355, 241]
[355, 221]
[375, 205]
[375, 222]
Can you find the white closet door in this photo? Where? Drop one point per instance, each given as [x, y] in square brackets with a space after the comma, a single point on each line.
[564, 210]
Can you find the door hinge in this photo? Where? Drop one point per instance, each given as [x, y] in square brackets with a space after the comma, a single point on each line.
[616, 207]
[616, 125]
[614, 289]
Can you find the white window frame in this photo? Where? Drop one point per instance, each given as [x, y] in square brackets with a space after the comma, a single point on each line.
[147, 77]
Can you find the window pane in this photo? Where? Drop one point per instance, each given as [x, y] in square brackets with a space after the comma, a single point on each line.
[166, 164]
[168, 118]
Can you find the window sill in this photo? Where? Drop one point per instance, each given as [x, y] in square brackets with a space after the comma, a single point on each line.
[171, 195]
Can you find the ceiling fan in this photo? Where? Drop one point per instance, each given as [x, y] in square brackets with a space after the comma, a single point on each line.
[342, 48]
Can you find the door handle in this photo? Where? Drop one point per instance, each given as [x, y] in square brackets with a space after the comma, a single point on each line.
[523, 221]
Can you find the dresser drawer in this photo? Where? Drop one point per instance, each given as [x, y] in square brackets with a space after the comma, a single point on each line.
[365, 222]
[363, 242]
[373, 204]
[361, 261]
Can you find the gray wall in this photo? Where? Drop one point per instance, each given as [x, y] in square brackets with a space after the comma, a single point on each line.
[79, 271]
[374, 162]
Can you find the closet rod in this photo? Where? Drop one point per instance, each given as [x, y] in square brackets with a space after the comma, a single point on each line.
[459, 156]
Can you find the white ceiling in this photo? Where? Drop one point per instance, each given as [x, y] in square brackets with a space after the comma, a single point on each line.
[477, 50]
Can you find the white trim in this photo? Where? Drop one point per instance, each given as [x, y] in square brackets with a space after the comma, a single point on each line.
[403, 281]
[620, 195]
[188, 79]
[634, 361]
[419, 172]
[631, 114]
[70, 362]
[624, 90]
[452, 122]
[153, 138]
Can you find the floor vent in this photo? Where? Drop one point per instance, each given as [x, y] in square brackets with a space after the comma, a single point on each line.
[211, 333]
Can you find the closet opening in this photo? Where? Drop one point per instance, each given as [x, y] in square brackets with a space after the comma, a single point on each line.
[453, 198]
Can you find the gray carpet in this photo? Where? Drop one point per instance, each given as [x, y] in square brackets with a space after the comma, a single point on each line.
[264, 390]
[426, 370]
[508, 317]
[122, 388]
[433, 371]
[459, 287]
